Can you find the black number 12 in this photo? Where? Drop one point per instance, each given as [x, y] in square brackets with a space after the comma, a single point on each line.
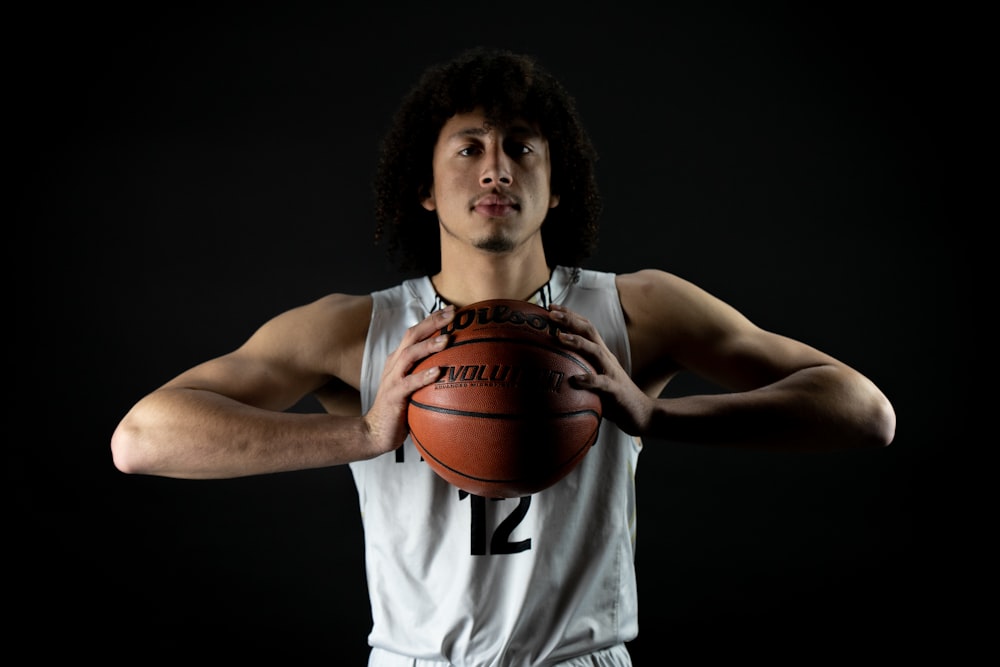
[500, 543]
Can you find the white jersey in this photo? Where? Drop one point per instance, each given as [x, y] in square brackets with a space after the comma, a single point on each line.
[514, 582]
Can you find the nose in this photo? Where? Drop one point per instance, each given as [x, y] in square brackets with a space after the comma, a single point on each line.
[496, 166]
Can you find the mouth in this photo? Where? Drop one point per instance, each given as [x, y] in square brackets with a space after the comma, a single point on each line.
[496, 206]
[494, 211]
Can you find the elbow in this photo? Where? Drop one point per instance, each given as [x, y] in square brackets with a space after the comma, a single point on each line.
[876, 420]
[883, 429]
[870, 417]
[125, 449]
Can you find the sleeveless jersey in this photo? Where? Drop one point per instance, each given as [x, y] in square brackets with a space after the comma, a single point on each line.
[514, 582]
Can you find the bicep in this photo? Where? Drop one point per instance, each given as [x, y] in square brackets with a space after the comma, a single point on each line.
[260, 381]
[747, 357]
[676, 326]
[294, 354]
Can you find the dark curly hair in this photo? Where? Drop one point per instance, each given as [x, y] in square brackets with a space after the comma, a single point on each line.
[507, 86]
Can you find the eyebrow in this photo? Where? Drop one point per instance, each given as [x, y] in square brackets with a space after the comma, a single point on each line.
[519, 130]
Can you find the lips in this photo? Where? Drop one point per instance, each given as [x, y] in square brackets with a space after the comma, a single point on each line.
[496, 206]
[495, 200]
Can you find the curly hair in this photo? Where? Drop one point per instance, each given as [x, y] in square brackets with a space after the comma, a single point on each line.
[507, 86]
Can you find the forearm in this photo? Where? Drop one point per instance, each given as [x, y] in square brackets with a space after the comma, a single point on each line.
[816, 409]
[197, 434]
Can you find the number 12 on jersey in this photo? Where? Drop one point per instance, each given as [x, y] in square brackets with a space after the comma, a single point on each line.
[499, 543]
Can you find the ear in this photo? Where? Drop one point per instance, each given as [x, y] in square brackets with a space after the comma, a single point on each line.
[427, 198]
[553, 200]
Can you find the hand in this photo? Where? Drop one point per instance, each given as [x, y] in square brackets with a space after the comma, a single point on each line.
[621, 399]
[385, 422]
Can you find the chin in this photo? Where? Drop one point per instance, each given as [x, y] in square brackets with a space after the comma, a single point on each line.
[495, 244]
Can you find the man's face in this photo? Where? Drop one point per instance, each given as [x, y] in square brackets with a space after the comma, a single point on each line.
[491, 184]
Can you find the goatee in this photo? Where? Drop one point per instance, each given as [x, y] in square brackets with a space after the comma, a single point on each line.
[495, 243]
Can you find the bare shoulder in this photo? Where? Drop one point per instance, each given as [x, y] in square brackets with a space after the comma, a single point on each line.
[342, 316]
[673, 324]
[647, 284]
[327, 333]
[654, 300]
[657, 283]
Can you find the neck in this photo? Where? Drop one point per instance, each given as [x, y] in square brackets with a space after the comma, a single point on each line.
[481, 277]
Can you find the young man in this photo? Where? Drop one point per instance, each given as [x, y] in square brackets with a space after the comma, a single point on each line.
[486, 185]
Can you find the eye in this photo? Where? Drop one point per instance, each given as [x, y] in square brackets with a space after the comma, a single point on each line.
[469, 151]
[516, 148]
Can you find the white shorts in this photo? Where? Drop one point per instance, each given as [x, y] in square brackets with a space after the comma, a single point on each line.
[615, 656]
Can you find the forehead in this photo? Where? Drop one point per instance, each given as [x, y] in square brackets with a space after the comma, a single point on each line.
[469, 124]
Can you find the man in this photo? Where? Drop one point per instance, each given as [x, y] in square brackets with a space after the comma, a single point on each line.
[486, 185]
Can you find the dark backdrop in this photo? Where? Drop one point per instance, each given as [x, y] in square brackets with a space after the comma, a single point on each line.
[181, 176]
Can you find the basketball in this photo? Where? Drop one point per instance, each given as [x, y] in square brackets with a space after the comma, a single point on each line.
[502, 420]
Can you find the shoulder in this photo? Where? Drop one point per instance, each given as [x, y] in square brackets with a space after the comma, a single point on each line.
[333, 314]
[328, 332]
[341, 308]
[662, 304]
[650, 279]
[648, 293]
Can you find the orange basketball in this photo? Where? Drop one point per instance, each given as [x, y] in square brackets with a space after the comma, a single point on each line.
[503, 420]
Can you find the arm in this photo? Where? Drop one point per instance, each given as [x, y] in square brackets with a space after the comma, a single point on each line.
[778, 393]
[227, 417]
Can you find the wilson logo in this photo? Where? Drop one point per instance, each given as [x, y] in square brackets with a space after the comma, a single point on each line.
[499, 314]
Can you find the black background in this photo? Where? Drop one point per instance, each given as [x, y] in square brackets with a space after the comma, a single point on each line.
[182, 175]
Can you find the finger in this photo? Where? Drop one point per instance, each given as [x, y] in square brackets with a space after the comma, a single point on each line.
[577, 333]
[436, 321]
[569, 320]
[423, 378]
[417, 341]
[594, 353]
[592, 381]
[406, 356]
[425, 348]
